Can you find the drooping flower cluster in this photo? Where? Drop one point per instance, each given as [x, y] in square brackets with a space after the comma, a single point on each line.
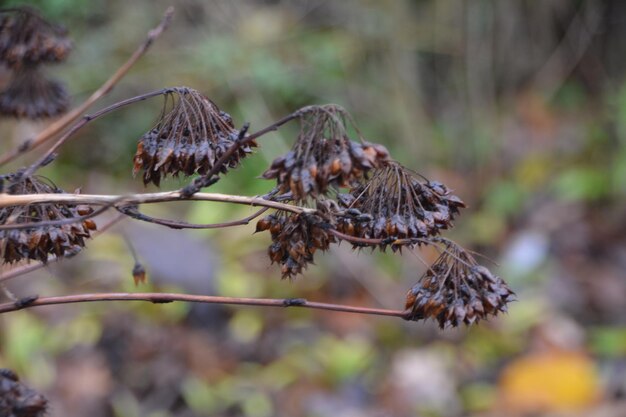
[18, 400]
[295, 238]
[26, 38]
[397, 205]
[456, 290]
[27, 41]
[190, 136]
[38, 242]
[31, 95]
[323, 155]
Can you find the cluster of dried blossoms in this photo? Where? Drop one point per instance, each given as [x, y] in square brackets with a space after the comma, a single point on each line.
[26, 38]
[30, 94]
[295, 238]
[360, 193]
[323, 155]
[27, 41]
[385, 204]
[455, 290]
[30, 237]
[18, 400]
[397, 206]
[191, 135]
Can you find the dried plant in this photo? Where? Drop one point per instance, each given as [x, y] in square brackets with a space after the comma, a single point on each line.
[323, 155]
[397, 205]
[295, 238]
[27, 39]
[329, 188]
[191, 135]
[31, 95]
[27, 239]
[455, 290]
[18, 400]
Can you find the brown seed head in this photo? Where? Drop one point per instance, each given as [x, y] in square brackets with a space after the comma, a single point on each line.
[295, 238]
[323, 155]
[38, 242]
[456, 290]
[190, 136]
[18, 400]
[397, 205]
[27, 39]
[31, 95]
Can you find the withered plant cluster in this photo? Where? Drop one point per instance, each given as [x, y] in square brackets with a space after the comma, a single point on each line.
[295, 238]
[24, 237]
[455, 290]
[323, 156]
[190, 137]
[397, 206]
[28, 41]
[18, 400]
[332, 186]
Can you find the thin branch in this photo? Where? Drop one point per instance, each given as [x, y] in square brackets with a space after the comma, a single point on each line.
[56, 127]
[24, 269]
[159, 298]
[7, 200]
[135, 214]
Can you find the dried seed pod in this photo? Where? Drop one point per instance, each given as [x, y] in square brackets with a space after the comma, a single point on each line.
[38, 242]
[139, 274]
[190, 136]
[456, 290]
[323, 155]
[18, 400]
[295, 238]
[31, 95]
[397, 206]
[26, 38]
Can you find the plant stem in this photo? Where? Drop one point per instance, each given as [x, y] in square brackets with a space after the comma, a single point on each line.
[56, 127]
[159, 298]
[135, 214]
[7, 200]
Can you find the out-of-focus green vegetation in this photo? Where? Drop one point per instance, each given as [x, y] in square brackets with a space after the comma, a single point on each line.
[518, 106]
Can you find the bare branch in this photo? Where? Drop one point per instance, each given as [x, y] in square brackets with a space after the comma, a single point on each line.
[159, 298]
[135, 214]
[118, 201]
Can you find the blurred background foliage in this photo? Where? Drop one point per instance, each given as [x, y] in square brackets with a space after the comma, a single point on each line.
[519, 106]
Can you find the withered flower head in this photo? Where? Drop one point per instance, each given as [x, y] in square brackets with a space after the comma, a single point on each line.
[18, 400]
[190, 136]
[396, 205]
[38, 242]
[456, 290]
[26, 38]
[323, 155]
[30, 94]
[295, 238]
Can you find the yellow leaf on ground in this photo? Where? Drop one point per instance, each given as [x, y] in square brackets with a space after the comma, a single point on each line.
[549, 381]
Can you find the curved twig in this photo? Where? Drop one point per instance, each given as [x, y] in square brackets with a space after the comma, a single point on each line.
[173, 224]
